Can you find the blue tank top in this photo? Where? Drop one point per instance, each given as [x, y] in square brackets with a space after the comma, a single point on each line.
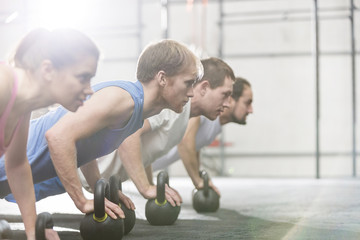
[99, 144]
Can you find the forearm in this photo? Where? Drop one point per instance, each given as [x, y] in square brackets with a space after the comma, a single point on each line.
[63, 155]
[149, 174]
[91, 173]
[188, 153]
[131, 158]
[20, 178]
[190, 159]
[130, 154]
[21, 184]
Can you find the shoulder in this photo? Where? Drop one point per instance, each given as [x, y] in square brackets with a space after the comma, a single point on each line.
[6, 77]
[133, 88]
[160, 119]
[112, 100]
[208, 124]
[6, 85]
[112, 103]
[204, 120]
[193, 126]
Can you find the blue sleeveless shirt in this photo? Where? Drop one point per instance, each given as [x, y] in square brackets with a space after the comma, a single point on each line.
[99, 144]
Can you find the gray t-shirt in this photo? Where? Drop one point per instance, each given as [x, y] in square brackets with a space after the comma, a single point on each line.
[207, 132]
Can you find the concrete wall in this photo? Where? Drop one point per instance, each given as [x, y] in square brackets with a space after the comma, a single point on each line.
[274, 54]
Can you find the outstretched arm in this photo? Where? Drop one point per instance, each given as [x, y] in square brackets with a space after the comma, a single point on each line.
[149, 174]
[20, 180]
[102, 110]
[18, 172]
[91, 173]
[130, 155]
[190, 156]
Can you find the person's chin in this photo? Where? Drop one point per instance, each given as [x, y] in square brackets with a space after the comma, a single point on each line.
[178, 109]
[211, 117]
[241, 122]
[73, 107]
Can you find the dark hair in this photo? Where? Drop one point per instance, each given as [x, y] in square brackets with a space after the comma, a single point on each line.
[168, 56]
[238, 87]
[215, 71]
[62, 47]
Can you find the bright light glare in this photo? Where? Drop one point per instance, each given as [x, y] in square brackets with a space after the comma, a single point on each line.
[53, 14]
[12, 17]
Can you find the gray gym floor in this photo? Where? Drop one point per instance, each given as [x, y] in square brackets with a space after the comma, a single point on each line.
[250, 209]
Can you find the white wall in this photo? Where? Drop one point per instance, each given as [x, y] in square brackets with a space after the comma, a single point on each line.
[284, 86]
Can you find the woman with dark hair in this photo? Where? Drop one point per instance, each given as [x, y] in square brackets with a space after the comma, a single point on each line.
[47, 67]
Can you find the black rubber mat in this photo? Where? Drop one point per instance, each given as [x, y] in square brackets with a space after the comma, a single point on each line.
[230, 226]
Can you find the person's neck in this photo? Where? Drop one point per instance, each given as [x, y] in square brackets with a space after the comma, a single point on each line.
[195, 108]
[224, 119]
[153, 102]
[30, 94]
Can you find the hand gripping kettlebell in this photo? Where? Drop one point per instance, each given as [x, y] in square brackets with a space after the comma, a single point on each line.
[43, 221]
[5, 230]
[158, 211]
[129, 221]
[98, 225]
[205, 199]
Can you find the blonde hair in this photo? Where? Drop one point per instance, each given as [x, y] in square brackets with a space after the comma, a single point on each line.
[169, 56]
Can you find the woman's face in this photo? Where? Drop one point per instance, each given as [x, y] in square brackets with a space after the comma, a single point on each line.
[72, 85]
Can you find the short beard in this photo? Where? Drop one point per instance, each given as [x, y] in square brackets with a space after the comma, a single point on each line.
[238, 121]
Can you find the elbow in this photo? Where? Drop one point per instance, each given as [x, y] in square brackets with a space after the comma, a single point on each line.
[183, 146]
[49, 136]
[52, 137]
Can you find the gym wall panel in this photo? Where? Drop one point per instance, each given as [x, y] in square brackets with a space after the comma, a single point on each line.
[284, 111]
[273, 50]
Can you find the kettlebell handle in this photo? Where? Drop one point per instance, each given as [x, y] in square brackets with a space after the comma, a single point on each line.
[102, 190]
[43, 221]
[162, 179]
[115, 185]
[205, 177]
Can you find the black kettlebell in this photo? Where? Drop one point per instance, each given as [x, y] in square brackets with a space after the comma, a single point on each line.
[158, 211]
[129, 221]
[99, 225]
[43, 221]
[205, 199]
[5, 230]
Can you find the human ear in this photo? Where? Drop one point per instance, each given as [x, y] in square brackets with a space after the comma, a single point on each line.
[161, 78]
[204, 87]
[47, 70]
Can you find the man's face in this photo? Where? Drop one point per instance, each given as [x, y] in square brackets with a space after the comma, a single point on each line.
[242, 107]
[179, 90]
[218, 99]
